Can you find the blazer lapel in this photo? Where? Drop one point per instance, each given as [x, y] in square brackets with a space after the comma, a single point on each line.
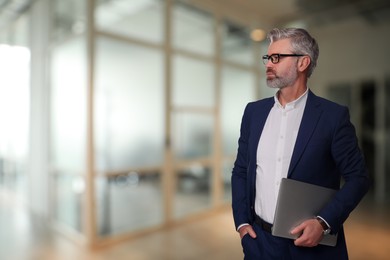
[257, 124]
[258, 121]
[311, 115]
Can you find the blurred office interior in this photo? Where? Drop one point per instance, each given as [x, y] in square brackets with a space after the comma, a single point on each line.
[119, 119]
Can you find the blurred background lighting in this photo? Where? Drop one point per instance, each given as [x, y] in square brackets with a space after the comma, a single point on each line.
[258, 35]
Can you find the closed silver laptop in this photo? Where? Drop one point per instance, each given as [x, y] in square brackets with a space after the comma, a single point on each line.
[297, 202]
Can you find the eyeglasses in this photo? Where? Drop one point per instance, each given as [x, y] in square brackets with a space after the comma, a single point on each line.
[275, 58]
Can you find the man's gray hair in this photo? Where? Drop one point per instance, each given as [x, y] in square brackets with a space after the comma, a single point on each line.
[301, 41]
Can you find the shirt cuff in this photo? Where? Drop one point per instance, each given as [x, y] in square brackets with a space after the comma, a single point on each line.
[245, 224]
[324, 221]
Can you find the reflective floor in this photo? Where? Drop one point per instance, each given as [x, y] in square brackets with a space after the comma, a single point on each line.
[26, 237]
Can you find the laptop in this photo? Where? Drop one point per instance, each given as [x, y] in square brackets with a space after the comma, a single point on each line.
[297, 202]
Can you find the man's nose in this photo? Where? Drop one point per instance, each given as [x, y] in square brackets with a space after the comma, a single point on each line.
[268, 64]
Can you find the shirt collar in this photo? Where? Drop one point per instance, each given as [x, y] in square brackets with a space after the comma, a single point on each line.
[293, 104]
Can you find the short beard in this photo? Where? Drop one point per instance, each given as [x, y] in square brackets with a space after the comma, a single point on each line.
[284, 81]
[276, 83]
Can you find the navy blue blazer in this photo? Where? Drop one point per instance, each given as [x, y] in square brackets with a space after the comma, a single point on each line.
[325, 151]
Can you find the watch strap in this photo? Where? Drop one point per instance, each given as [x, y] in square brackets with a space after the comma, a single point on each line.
[325, 227]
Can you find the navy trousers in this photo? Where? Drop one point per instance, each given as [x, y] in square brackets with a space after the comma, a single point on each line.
[266, 246]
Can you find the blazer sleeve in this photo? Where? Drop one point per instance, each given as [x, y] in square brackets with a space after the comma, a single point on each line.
[350, 163]
[239, 175]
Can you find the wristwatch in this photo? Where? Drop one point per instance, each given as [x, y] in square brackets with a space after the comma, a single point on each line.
[325, 226]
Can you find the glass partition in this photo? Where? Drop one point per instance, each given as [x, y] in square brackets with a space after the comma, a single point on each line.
[236, 43]
[130, 98]
[193, 29]
[128, 202]
[68, 131]
[142, 19]
[129, 133]
[193, 102]
[129, 106]
[192, 135]
[227, 167]
[68, 202]
[69, 18]
[193, 190]
[193, 83]
[68, 105]
[237, 91]
[15, 106]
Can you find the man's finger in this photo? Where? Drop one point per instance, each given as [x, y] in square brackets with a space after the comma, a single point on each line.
[252, 233]
[247, 230]
[298, 230]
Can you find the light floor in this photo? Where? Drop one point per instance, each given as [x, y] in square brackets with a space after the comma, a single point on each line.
[213, 237]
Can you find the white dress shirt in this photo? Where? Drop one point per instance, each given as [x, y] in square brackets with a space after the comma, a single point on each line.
[274, 153]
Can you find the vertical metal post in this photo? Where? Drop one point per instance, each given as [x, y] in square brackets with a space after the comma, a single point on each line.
[39, 177]
[168, 181]
[90, 209]
[256, 50]
[217, 144]
[380, 141]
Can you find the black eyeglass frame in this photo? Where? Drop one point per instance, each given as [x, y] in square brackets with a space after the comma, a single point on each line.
[275, 57]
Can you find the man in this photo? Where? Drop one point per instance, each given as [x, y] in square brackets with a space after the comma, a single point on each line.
[297, 135]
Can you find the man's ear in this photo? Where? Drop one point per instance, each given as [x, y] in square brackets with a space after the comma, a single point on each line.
[303, 63]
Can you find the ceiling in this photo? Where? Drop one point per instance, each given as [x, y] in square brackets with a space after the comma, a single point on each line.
[263, 13]
[11, 9]
[316, 12]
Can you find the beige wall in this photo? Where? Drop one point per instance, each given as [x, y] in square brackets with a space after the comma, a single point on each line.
[350, 51]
